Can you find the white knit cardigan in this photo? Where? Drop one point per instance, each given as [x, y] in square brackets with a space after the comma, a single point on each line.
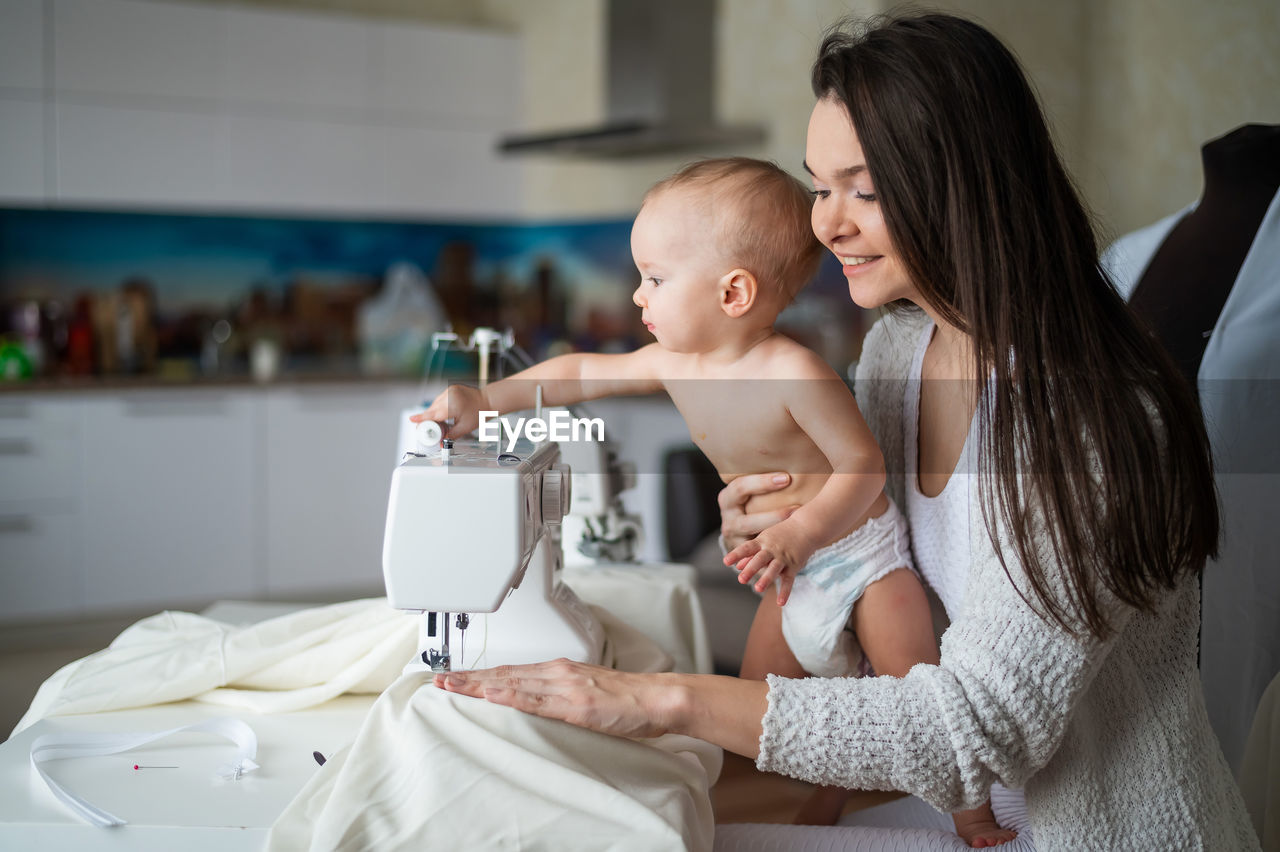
[1109, 739]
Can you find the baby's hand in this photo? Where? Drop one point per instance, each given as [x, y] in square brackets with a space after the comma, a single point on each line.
[777, 553]
[457, 409]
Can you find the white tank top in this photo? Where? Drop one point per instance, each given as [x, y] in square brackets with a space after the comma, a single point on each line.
[940, 530]
[940, 525]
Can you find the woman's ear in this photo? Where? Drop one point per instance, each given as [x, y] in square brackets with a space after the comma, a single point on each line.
[738, 292]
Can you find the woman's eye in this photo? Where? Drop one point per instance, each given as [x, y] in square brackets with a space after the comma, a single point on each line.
[819, 193]
[864, 196]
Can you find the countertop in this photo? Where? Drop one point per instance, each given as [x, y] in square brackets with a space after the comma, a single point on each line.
[231, 381]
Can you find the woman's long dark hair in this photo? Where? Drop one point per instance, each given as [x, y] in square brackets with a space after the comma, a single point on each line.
[1091, 434]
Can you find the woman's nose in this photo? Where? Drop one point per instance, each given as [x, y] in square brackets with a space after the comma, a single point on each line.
[830, 222]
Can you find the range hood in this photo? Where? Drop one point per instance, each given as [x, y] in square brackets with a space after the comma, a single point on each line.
[660, 56]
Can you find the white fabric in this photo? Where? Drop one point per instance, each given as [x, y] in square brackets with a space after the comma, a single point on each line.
[306, 657]
[660, 599]
[508, 775]
[281, 664]
[1109, 739]
[815, 620]
[1239, 385]
[434, 770]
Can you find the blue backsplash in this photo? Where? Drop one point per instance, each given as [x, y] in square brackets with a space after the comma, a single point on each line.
[69, 275]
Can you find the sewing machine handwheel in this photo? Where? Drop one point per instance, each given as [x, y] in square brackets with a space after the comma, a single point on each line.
[555, 493]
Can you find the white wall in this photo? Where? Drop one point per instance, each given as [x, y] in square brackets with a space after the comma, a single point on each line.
[1133, 88]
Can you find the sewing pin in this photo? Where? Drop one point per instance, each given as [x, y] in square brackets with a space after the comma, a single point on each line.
[136, 766]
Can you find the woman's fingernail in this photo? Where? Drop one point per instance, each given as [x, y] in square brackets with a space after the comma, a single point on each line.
[455, 679]
[781, 479]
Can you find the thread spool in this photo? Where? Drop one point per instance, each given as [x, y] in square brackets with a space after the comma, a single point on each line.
[427, 435]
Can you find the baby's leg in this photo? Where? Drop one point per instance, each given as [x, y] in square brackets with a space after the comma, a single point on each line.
[766, 651]
[895, 628]
[894, 625]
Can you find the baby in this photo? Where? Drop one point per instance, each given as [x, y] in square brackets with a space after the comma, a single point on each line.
[722, 247]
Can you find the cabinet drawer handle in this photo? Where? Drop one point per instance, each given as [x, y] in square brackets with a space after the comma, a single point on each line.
[176, 408]
[16, 524]
[15, 447]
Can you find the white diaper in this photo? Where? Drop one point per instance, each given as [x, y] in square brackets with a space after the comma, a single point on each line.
[815, 619]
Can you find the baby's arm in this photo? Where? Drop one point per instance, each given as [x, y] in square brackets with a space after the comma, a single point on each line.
[825, 410]
[564, 380]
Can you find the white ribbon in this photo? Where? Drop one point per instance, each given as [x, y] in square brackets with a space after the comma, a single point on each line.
[88, 744]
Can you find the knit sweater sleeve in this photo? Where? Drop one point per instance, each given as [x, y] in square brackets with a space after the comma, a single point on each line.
[994, 709]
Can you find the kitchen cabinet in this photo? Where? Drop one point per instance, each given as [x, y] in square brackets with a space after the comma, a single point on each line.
[39, 450]
[21, 149]
[41, 569]
[22, 105]
[22, 44]
[137, 500]
[329, 453]
[146, 499]
[170, 498]
[111, 154]
[136, 49]
[215, 107]
[304, 61]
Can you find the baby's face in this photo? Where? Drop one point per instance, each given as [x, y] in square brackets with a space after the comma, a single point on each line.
[680, 270]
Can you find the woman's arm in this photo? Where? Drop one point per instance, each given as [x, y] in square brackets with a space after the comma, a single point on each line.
[725, 711]
[995, 708]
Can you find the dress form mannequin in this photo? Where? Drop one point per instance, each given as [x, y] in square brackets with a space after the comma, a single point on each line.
[1227, 247]
[1185, 285]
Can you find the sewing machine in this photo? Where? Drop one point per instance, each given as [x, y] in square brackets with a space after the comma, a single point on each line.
[598, 528]
[473, 530]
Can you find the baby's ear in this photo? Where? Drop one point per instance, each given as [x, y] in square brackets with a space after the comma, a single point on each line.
[738, 292]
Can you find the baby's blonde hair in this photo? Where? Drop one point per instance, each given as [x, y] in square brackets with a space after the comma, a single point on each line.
[760, 219]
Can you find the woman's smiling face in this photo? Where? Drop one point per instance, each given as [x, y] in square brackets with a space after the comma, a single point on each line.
[846, 214]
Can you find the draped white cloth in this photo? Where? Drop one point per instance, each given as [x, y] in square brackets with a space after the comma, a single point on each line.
[286, 663]
[435, 770]
[427, 768]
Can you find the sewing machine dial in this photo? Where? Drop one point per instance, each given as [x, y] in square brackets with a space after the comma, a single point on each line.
[555, 494]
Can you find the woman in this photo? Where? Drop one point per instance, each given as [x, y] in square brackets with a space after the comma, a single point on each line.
[1068, 562]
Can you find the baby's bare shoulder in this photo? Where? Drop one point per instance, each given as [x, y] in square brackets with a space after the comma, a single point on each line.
[784, 358]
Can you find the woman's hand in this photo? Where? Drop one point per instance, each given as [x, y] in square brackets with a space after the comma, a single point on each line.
[726, 711]
[457, 408]
[612, 702]
[736, 526]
